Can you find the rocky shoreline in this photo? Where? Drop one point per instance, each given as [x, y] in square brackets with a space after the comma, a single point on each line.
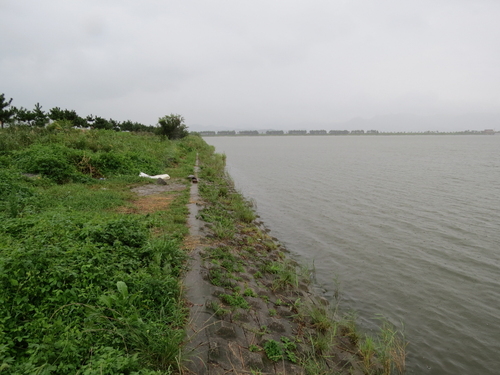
[252, 309]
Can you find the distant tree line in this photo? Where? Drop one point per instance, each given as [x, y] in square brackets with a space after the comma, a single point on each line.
[171, 126]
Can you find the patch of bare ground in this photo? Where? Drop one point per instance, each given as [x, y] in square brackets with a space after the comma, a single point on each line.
[147, 204]
[151, 189]
[151, 198]
[192, 242]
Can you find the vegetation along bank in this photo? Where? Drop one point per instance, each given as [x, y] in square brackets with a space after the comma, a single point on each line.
[92, 259]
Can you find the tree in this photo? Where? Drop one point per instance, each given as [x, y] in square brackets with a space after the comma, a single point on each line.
[133, 126]
[57, 113]
[101, 123]
[6, 113]
[41, 118]
[172, 127]
[23, 115]
[115, 125]
[36, 117]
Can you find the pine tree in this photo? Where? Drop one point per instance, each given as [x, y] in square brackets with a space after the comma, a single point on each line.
[6, 113]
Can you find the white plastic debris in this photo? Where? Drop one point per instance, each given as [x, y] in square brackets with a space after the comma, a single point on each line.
[162, 176]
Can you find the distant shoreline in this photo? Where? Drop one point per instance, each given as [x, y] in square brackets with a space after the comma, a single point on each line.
[255, 133]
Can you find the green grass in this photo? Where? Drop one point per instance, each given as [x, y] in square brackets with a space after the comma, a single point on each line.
[254, 348]
[287, 274]
[242, 209]
[348, 327]
[277, 351]
[321, 318]
[391, 348]
[226, 207]
[289, 349]
[367, 351]
[235, 300]
[220, 277]
[249, 293]
[273, 350]
[84, 288]
[314, 365]
[218, 309]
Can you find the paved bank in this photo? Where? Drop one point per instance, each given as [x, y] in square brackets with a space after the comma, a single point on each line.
[251, 312]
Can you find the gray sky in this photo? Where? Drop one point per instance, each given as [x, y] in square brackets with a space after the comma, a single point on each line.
[254, 64]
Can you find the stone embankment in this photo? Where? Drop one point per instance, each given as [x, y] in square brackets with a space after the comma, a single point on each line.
[252, 312]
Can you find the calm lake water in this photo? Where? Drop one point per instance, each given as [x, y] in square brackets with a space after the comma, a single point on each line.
[410, 226]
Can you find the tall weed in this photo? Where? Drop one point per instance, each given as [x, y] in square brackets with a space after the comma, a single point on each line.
[15, 193]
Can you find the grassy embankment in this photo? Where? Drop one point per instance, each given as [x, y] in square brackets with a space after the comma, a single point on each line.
[89, 284]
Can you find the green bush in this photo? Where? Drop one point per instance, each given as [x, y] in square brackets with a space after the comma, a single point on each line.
[126, 163]
[56, 162]
[63, 164]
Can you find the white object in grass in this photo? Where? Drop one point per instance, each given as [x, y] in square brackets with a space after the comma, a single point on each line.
[162, 176]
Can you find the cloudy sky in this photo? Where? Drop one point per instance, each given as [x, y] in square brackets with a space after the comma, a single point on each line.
[242, 64]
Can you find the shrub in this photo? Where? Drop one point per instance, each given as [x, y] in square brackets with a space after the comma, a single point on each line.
[172, 127]
[63, 164]
[56, 162]
[126, 163]
[112, 163]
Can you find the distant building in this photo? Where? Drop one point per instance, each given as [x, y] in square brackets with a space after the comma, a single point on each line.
[357, 132]
[372, 132]
[338, 132]
[275, 132]
[318, 132]
[489, 131]
[297, 132]
[248, 132]
[226, 132]
[207, 133]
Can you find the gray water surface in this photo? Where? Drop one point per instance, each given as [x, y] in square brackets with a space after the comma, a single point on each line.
[410, 225]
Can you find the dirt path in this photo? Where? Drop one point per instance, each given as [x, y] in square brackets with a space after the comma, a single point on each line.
[197, 290]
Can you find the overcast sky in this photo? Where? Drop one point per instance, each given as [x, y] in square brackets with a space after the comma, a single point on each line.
[253, 64]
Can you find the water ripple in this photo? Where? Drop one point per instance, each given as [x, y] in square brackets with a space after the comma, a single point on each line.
[408, 225]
